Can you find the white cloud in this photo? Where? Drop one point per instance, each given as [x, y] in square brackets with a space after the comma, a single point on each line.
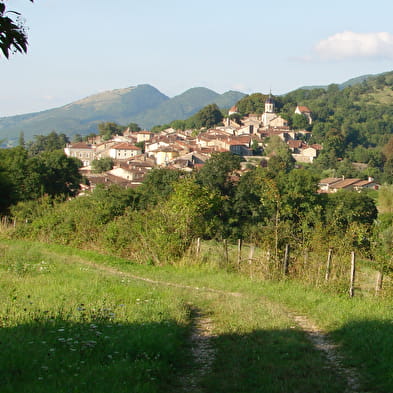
[355, 45]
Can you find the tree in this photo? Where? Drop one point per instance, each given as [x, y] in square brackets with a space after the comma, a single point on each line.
[13, 37]
[52, 141]
[133, 127]
[77, 138]
[108, 129]
[387, 149]
[346, 207]
[6, 187]
[217, 171]
[52, 173]
[385, 199]
[190, 210]
[157, 186]
[254, 103]
[208, 116]
[280, 156]
[103, 165]
[299, 193]
[179, 124]
[275, 145]
[248, 210]
[21, 140]
[299, 122]
[14, 165]
[345, 168]
[141, 145]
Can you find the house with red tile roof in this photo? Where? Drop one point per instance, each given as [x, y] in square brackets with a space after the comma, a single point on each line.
[124, 151]
[81, 150]
[303, 110]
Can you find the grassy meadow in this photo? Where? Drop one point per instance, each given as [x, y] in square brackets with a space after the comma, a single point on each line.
[76, 321]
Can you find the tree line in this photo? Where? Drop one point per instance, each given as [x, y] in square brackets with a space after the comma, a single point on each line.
[170, 209]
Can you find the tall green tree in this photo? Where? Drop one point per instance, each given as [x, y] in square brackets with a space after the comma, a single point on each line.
[157, 186]
[133, 127]
[209, 116]
[217, 171]
[53, 173]
[109, 128]
[253, 103]
[346, 207]
[43, 143]
[299, 122]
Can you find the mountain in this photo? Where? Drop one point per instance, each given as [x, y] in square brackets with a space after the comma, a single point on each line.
[341, 86]
[142, 104]
[185, 105]
[83, 116]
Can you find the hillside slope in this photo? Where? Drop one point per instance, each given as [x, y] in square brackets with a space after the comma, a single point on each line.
[143, 104]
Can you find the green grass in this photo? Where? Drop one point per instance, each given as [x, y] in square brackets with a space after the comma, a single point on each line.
[69, 327]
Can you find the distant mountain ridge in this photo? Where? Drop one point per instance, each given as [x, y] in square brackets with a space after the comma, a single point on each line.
[142, 104]
[341, 86]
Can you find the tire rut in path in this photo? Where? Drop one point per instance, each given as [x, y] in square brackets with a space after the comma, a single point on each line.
[203, 352]
[322, 342]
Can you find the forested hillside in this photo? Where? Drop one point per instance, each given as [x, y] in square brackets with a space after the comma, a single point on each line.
[354, 124]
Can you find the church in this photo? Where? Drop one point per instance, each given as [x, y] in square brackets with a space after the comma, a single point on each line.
[270, 119]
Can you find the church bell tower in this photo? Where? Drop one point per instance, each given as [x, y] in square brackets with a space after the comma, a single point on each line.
[269, 104]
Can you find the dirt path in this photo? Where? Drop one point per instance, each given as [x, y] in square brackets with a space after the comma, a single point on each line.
[203, 352]
[321, 341]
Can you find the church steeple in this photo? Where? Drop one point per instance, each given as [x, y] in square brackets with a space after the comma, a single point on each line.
[269, 104]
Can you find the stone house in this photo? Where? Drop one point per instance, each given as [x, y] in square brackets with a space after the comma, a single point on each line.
[124, 151]
[81, 150]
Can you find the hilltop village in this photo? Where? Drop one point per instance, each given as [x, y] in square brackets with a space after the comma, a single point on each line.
[176, 149]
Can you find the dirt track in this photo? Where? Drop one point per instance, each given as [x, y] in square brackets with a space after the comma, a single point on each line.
[204, 353]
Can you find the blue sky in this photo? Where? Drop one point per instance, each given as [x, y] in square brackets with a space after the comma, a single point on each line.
[82, 47]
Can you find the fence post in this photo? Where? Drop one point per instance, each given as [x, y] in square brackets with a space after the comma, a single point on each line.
[250, 257]
[239, 252]
[378, 285]
[352, 282]
[226, 251]
[305, 258]
[286, 260]
[198, 247]
[328, 263]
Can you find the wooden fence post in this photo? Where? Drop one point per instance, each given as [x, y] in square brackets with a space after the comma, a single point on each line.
[378, 285]
[305, 258]
[328, 263]
[198, 247]
[286, 260]
[239, 252]
[352, 282]
[250, 257]
[226, 251]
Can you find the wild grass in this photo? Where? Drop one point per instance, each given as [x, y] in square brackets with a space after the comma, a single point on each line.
[67, 326]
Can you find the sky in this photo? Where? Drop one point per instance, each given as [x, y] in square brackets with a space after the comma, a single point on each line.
[82, 47]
